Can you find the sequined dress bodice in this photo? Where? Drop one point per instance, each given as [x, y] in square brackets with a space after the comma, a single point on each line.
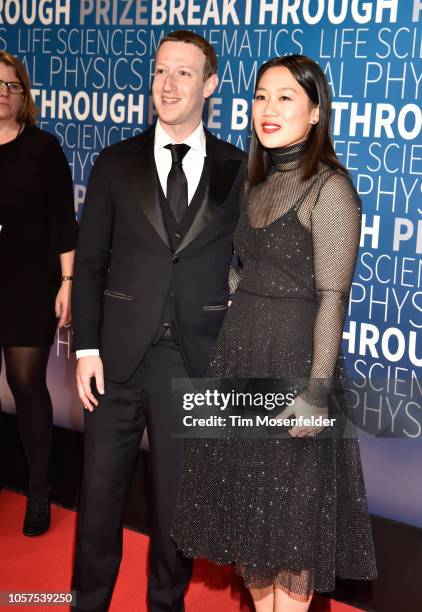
[298, 239]
[269, 269]
[274, 236]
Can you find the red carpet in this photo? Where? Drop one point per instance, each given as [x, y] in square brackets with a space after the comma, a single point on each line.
[43, 564]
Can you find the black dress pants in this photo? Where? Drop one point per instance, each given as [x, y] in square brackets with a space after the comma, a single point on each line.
[112, 435]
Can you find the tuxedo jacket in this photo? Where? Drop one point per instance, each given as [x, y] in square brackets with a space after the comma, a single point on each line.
[126, 267]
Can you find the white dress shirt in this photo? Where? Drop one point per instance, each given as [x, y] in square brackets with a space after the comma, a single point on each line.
[193, 164]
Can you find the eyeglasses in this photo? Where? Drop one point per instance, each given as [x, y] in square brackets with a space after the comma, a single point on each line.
[13, 86]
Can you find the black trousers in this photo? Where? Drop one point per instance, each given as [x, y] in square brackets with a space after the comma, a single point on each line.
[112, 435]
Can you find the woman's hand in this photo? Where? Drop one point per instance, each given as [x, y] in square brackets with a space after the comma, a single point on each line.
[301, 408]
[62, 304]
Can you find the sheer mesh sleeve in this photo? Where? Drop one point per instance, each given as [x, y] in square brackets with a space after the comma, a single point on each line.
[235, 274]
[335, 234]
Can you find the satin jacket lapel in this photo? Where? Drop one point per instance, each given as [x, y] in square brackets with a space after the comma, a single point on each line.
[220, 176]
[141, 173]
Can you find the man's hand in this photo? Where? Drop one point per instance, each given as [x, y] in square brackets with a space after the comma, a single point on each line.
[86, 369]
[300, 408]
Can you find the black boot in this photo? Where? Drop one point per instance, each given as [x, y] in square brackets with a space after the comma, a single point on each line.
[37, 515]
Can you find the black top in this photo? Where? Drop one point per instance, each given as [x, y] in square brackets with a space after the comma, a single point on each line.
[319, 263]
[37, 215]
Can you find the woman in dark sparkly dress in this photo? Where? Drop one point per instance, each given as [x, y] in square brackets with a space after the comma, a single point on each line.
[290, 513]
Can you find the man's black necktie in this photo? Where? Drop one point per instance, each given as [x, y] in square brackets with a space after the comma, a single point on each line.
[177, 185]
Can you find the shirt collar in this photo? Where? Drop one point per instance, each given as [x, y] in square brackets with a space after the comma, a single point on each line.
[196, 140]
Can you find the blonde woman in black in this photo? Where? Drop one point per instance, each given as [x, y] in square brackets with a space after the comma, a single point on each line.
[37, 242]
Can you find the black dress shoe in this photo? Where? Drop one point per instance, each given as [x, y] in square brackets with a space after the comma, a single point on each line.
[37, 515]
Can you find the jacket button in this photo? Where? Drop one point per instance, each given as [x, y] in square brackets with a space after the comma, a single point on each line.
[175, 259]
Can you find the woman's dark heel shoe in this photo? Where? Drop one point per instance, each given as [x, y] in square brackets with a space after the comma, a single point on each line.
[37, 515]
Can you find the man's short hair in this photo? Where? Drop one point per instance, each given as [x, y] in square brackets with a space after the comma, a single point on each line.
[186, 36]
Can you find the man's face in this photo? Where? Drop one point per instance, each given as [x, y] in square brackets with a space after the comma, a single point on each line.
[179, 89]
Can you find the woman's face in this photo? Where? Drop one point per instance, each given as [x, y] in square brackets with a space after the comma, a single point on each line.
[282, 112]
[10, 103]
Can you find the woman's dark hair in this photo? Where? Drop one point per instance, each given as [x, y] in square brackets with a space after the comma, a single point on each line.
[320, 147]
[28, 111]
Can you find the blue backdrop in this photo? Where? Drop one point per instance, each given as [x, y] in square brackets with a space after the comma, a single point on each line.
[91, 63]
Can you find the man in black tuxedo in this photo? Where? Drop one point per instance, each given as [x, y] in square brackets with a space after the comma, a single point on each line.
[150, 293]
